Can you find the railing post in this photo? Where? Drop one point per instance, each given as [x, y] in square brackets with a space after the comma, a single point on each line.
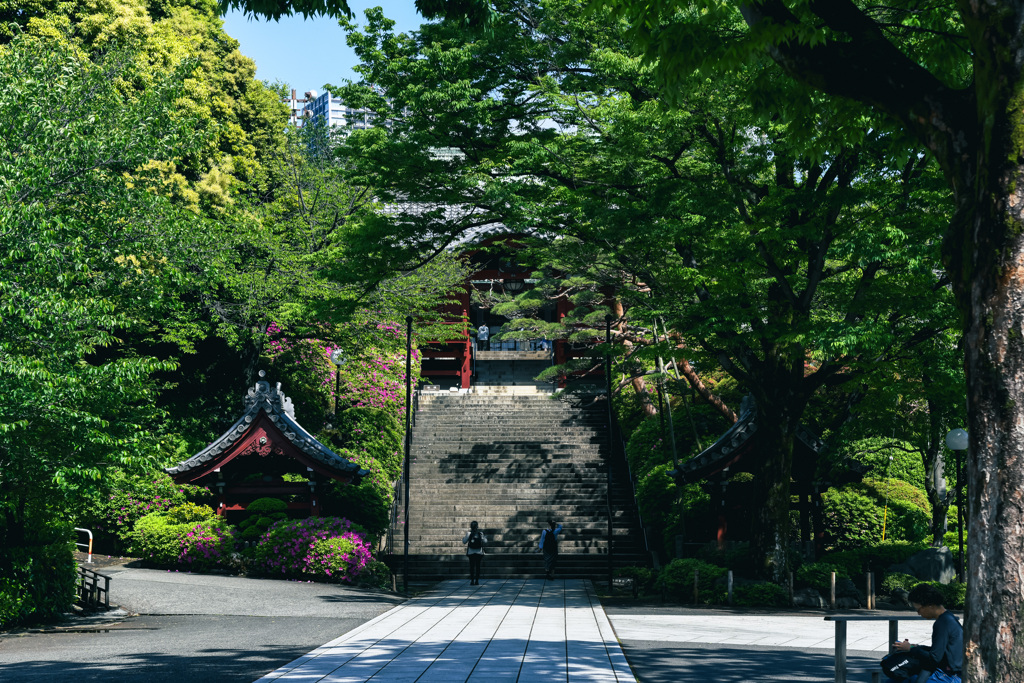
[729, 584]
[832, 592]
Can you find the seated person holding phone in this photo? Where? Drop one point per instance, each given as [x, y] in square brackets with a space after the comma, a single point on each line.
[943, 661]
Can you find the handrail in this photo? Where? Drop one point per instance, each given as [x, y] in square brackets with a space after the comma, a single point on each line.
[90, 592]
[632, 482]
[398, 490]
[86, 545]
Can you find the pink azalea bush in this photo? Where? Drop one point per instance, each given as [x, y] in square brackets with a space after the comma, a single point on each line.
[207, 545]
[372, 376]
[297, 548]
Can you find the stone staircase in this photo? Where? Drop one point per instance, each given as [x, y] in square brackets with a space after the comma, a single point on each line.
[512, 461]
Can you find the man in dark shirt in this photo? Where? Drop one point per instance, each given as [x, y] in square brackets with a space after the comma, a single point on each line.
[549, 546]
[944, 659]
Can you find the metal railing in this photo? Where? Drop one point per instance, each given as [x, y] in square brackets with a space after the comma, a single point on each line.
[398, 491]
[90, 593]
[632, 484]
[87, 546]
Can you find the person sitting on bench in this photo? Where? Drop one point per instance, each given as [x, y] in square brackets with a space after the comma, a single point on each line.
[943, 660]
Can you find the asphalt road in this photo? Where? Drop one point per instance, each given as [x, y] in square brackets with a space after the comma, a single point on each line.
[190, 627]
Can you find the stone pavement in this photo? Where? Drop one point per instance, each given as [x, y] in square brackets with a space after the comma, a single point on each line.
[502, 631]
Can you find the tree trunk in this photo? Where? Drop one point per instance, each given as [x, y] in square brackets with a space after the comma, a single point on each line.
[990, 283]
[769, 539]
[934, 474]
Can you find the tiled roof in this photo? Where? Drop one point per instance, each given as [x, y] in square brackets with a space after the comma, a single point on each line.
[281, 412]
[733, 444]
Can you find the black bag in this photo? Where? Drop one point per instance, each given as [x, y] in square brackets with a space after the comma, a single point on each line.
[476, 540]
[901, 666]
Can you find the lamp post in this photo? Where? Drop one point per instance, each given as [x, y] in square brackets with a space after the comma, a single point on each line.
[338, 358]
[611, 445]
[957, 441]
[408, 438]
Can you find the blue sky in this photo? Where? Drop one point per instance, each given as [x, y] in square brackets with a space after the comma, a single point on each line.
[306, 53]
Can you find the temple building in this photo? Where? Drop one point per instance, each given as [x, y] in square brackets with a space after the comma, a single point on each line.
[266, 453]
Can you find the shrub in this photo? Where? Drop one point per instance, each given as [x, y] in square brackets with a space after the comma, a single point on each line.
[893, 582]
[376, 432]
[875, 452]
[642, 576]
[369, 502]
[648, 447]
[189, 512]
[200, 541]
[376, 574]
[133, 497]
[37, 576]
[760, 594]
[266, 505]
[676, 580]
[339, 558]
[855, 513]
[818, 575]
[285, 550]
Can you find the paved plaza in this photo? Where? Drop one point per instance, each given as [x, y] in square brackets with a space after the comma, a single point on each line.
[191, 627]
[499, 632]
[521, 630]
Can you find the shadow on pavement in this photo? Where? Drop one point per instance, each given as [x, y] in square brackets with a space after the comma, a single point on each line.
[670, 663]
[222, 665]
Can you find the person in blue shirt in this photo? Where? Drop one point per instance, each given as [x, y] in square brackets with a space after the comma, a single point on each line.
[549, 546]
[943, 660]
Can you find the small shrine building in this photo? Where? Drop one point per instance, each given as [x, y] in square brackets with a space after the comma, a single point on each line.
[266, 453]
[737, 450]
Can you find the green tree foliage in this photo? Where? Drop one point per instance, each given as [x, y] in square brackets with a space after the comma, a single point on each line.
[855, 514]
[86, 257]
[779, 252]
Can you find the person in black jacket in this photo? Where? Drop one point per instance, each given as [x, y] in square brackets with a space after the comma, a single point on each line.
[943, 660]
[474, 540]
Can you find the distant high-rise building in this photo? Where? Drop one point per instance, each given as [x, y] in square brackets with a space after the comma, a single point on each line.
[331, 109]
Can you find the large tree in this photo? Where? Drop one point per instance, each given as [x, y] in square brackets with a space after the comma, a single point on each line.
[950, 74]
[780, 263]
[88, 258]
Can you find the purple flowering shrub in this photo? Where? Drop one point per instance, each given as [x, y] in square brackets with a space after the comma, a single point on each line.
[132, 498]
[289, 549]
[341, 558]
[189, 535]
[206, 545]
[372, 376]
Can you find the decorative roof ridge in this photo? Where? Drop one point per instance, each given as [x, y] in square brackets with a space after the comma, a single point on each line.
[281, 412]
[725, 447]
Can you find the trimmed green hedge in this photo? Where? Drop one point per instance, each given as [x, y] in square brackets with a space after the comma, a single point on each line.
[676, 580]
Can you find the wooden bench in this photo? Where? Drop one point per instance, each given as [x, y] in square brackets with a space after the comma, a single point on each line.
[841, 621]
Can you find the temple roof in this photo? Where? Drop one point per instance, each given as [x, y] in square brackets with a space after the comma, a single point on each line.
[279, 409]
[735, 443]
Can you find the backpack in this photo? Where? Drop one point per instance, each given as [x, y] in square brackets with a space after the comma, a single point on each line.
[901, 666]
[476, 540]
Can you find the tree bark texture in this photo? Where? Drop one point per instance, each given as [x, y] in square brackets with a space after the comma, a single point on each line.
[977, 136]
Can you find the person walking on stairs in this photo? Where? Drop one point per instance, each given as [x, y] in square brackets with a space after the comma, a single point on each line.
[549, 546]
[474, 540]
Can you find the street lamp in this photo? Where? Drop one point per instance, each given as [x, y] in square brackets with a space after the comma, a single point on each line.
[338, 358]
[958, 441]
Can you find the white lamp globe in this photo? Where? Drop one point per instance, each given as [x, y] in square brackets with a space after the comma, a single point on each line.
[957, 440]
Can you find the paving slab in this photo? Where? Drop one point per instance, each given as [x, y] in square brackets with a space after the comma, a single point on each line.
[504, 630]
